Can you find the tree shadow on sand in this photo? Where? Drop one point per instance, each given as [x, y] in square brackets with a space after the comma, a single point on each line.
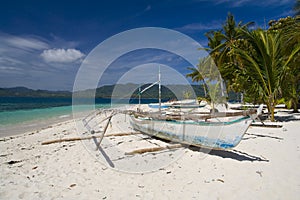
[286, 117]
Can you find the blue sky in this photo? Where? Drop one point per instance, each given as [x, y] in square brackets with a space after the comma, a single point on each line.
[43, 43]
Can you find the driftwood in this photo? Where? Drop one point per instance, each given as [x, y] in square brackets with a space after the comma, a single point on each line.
[153, 149]
[87, 138]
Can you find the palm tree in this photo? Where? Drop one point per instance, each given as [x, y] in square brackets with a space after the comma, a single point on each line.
[220, 48]
[290, 29]
[291, 35]
[208, 72]
[266, 66]
[196, 76]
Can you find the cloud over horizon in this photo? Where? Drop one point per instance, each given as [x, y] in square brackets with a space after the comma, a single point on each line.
[62, 55]
[25, 43]
[21, 63]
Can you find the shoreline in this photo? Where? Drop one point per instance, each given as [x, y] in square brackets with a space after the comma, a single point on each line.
[19, 127]
[37, 125]
[30, 126]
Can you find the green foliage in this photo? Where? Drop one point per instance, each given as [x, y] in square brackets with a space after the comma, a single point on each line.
[221, 43]
[187, 94]
[207, 99]
[263, 64]
[267, 67]
[290, 30]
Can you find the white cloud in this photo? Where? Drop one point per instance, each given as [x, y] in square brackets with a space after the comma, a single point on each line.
[194, 27]
[18, 52]
[9, 68]
[239, 3]
[62, 55]
[25, 43]
[21, 63]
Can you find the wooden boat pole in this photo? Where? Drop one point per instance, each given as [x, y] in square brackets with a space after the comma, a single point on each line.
[88, 137]
[110, 116]
[122, 134]
[70, 139]
[154, 149]
[103, 133]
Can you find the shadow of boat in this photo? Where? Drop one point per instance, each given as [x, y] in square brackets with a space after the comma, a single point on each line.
[231, 154]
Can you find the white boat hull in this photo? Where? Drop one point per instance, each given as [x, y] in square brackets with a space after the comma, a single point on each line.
[215, 133]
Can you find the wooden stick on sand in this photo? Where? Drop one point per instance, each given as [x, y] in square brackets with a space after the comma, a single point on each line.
[154, 149]
[88, 137]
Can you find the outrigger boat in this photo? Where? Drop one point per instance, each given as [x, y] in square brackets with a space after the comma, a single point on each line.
[220, 130]
[215, 131]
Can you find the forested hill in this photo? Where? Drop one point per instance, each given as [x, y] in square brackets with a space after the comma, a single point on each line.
[113, 91]
[26, 92]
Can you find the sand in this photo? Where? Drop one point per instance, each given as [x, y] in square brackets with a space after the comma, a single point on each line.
[265, 165]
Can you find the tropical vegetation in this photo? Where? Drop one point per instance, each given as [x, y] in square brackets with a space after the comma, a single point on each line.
[262, 64]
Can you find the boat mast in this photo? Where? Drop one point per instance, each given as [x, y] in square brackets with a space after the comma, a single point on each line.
[150, 86]
[159, 89]
[139, 96]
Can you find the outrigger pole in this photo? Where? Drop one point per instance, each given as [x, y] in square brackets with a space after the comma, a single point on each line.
[150, 86]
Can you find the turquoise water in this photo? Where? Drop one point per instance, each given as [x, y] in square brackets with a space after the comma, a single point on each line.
[23, 110]
[26, 114]
[21, 116]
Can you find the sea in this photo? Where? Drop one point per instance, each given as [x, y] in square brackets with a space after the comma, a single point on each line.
[23, 114]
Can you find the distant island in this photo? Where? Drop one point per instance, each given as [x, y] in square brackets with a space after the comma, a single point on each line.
[26, 92]
[107, 91]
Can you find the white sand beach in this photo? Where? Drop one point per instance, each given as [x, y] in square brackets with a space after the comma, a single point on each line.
[263, 166]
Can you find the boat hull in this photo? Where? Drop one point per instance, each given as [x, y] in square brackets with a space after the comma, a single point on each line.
[217, 133]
